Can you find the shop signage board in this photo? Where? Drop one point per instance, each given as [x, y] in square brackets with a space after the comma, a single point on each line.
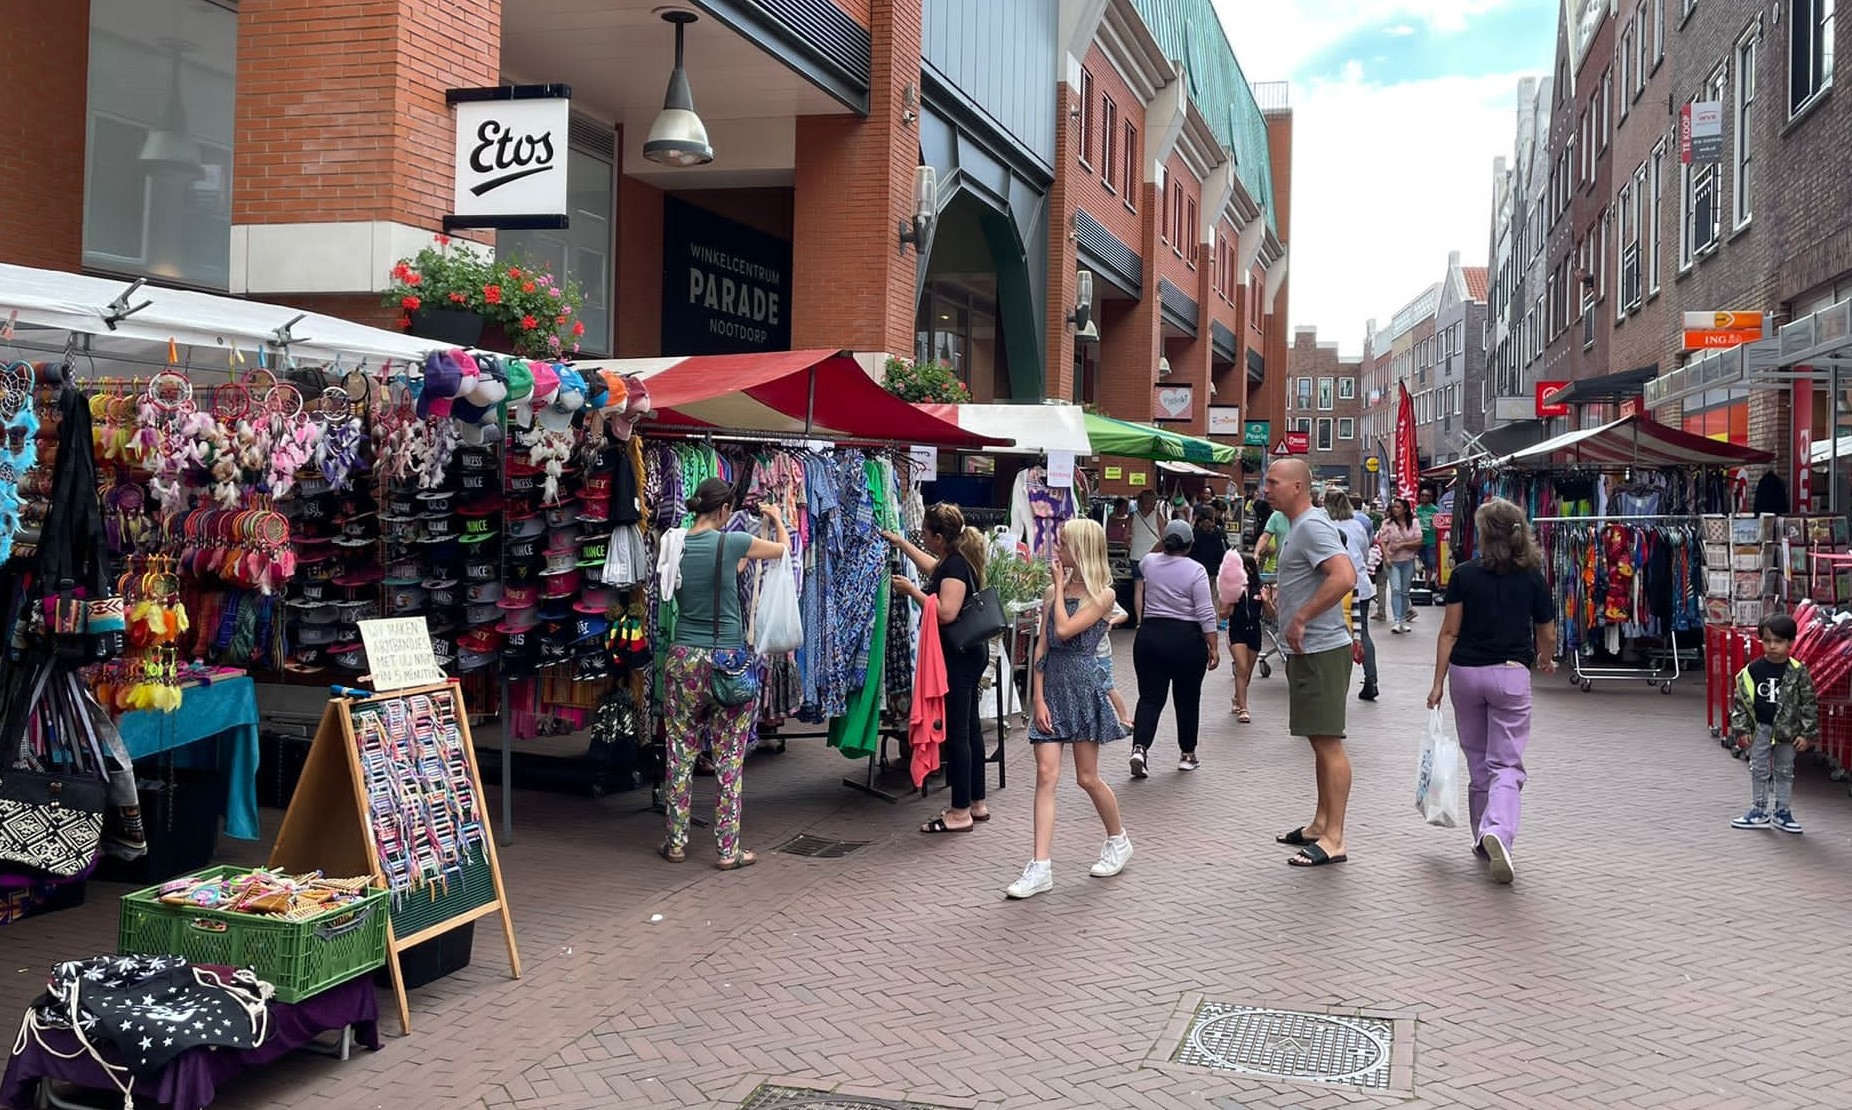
[1256, 433]
[726, 287]
[1547, 403]
[1225, 420]
[417, 745]
[1717, 330]
[1114, 473]
[1173, 402]
[1372, 464]
[399, 653]
[1802, 420]
[1293, 443]
[1700, 133]
[510, 156]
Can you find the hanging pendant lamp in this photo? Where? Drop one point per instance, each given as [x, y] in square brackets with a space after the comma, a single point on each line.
[678, 137]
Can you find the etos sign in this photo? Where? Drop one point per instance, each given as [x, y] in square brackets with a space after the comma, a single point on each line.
[511, 156]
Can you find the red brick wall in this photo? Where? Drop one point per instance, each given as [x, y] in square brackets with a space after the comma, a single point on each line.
[1108, 206]
[856, 8]
[1270, 404]
[42, 132]
[852, 285]
[1059, 382]
[639, 269]
[341, 112]
[1172, 257]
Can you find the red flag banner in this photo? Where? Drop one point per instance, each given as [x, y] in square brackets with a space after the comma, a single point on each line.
[1407, 463]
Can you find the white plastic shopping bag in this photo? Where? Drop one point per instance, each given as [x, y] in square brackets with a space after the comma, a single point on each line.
[777, 622]
[1437, 786]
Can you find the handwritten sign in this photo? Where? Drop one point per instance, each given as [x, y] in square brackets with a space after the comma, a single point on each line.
[925, 462]
[1061, 470]
[1114, 473]
[1137, 478]
[399, 653]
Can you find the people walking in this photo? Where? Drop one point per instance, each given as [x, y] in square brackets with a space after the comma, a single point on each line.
[1359, 540]
[710, 638]
[1147, 525]
[1774, 713]
[953, 561]
[1208, 545]
[1401, 541]
[1315, 576]
[1175, 648]
[1500, 622]
[1071, 708]
[1239, 582]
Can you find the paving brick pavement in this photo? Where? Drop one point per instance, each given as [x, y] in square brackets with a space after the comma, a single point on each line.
[1648, 955]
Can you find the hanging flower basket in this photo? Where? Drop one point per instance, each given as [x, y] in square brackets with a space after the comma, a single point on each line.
[455, 295]
[452, 327]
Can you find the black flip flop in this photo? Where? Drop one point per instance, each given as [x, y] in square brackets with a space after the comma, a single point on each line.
[1296, 838]
[938, 825]
[1313, 855]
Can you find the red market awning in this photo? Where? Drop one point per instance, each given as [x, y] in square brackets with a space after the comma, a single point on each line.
[824, 395]
[1632, 441]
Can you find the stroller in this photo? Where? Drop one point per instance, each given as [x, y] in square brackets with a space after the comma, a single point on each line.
[1270, 646]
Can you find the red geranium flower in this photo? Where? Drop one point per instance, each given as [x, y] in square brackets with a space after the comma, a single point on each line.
[514, 271]
[492, 294]
[527, 287]
[400, 270]
[414, 279]
[578, 327]
[410, 304]
[405, 322]
[529, 323]
[458, 298]
[443, 240]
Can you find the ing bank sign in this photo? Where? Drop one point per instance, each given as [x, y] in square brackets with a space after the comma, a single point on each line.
[726, 287]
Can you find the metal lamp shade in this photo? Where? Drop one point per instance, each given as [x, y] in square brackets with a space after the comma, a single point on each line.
[678, 137]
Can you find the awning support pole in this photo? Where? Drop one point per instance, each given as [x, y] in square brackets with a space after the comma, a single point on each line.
[810, 401]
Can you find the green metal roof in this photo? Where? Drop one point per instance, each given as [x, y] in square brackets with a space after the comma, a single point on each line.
[1191, 33]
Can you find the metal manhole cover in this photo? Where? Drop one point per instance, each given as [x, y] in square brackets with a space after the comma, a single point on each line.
[1290, 1044]
[818, 847]
[769, 1097]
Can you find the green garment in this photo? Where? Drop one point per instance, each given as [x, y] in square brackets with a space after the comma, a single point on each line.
[1277, 526]
[857, 733]
[695, 600]
[1425, 514]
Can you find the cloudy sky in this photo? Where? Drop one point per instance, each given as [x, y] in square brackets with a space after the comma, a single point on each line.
[1399, 107]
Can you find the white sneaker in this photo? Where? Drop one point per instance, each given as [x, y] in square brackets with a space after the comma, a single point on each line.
[1188, 762]
[1138, 763]
[1038, 876]
[1500, 858]
[1114, 855]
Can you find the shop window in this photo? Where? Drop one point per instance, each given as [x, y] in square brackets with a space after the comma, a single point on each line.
[158, 140]
[1654, 216]
[1190, 224]
[1086, 117]
[1324, 433]
[1109, 127]
[1347, 389]
[1305, 393]
[1702, 216]
[1810, 51]
[582, 252]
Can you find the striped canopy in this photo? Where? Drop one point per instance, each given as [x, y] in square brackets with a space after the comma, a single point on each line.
[823, 395]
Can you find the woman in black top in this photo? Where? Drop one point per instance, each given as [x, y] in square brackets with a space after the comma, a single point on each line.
[953, 558]
[1500, 622]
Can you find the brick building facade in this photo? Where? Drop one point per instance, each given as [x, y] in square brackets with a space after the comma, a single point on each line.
[315, 146]
[1326, 402]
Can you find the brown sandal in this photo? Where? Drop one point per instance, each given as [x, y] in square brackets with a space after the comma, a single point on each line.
[735, 862]
[671, 853]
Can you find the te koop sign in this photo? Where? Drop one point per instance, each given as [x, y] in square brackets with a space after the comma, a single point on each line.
[511, 156]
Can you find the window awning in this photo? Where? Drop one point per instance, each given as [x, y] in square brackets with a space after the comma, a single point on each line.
[1144, 441]
[1633, 441]
[1607, 389]
[1035, 428]
[1188, 469]
[822, 395]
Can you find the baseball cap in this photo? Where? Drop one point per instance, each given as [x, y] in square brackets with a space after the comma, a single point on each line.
[1180, 529]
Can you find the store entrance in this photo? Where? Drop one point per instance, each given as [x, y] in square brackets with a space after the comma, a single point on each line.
[974, 314]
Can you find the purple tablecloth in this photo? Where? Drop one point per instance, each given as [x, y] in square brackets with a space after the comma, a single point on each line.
[191, 1081]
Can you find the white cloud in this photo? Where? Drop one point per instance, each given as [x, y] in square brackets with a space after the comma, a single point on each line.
[1293, 32]
[1387, 178]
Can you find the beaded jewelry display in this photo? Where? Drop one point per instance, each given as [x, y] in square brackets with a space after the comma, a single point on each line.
[425, 817]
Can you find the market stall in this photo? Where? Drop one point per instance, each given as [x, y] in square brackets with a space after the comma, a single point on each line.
[1618, 511]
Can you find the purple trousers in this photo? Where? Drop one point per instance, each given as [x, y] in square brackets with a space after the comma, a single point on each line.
[1491, 708]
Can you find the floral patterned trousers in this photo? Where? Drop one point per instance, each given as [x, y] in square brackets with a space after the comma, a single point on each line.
[691, 718]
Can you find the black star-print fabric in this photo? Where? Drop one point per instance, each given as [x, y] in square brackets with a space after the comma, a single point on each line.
[151, 1009]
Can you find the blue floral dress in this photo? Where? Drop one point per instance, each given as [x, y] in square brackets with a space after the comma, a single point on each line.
[1079, 707]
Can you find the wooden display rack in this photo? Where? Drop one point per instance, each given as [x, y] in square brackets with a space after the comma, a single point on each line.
[329, 828]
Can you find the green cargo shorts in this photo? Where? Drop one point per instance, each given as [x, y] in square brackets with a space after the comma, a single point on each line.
[1317, 692]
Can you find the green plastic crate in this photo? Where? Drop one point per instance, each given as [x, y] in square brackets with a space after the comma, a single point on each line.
[299, 958]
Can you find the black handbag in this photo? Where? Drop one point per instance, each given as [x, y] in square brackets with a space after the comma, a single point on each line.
[978, 622]
[50, 821]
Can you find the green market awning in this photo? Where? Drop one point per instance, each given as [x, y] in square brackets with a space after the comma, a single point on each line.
[1144, 441]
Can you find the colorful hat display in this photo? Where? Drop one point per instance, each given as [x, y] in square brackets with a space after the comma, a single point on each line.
[560, 585]
[596, 599]
[519, 597]
[443, 377]
[479, 529]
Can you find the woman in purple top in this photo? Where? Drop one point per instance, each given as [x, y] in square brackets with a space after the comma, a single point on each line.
[1176, 644]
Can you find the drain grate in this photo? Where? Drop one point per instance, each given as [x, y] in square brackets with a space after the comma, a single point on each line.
[1290, 1044]
[819, 847]
[770, 1097]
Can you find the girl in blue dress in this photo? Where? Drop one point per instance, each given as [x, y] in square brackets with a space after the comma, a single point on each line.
[1073, 708]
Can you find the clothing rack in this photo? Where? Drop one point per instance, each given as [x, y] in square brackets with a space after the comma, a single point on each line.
[1665, 667]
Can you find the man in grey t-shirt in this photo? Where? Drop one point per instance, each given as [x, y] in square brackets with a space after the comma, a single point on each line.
[1315, 576]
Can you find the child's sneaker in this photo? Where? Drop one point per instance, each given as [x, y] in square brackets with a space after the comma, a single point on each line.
[1754, 819]
[1786, 823]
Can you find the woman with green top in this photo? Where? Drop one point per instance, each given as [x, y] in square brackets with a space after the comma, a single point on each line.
[709, 629]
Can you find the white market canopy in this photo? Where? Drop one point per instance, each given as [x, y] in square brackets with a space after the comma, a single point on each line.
[54, 303]
[1035, 429]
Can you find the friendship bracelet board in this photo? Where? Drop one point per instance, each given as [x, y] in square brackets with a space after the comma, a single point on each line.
[391, 789]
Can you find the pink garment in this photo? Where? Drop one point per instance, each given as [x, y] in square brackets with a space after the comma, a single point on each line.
[1231, 581]
[926, 721]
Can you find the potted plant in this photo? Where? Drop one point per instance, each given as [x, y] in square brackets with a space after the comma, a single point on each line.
[1250, 460]
[924, 382]
[454, 295]
[438, 293]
